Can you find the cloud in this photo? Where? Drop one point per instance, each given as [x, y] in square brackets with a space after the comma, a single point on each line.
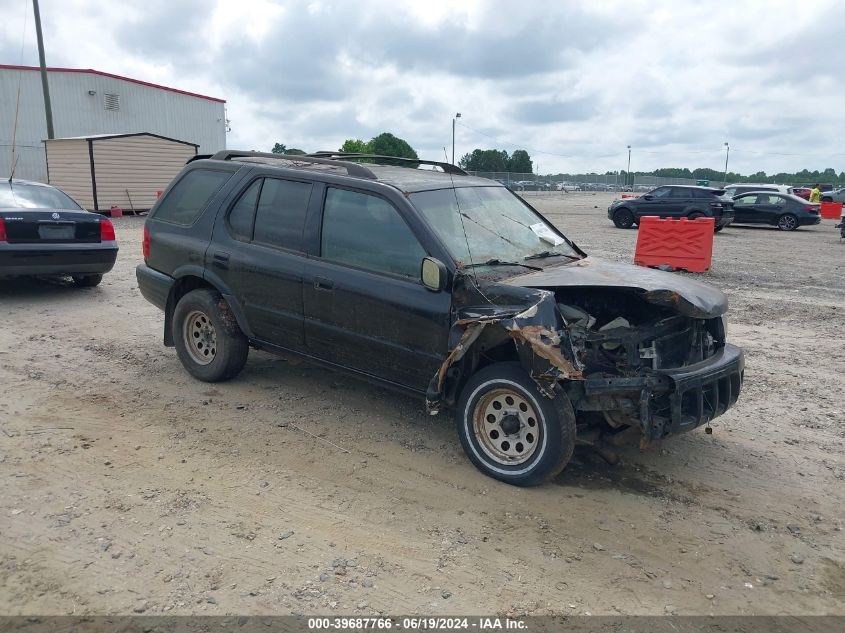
[574, 83]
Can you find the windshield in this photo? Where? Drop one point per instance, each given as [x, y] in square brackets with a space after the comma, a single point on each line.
[498, 225]
[16, 195]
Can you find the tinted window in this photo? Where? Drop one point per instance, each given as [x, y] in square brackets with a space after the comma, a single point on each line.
[741, 200]
[770, 199]
[367, 232]
[661, 192]
[16, 195]
[243, 212]
[680, 192]
[281, 213]
[188, 197]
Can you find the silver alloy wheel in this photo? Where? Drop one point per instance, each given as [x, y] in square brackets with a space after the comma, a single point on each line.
[787, 222]
[506, 426]
[200, 337]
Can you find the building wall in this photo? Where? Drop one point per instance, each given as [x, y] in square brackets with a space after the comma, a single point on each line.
[142, 165]
[70, 169]
[77, 113]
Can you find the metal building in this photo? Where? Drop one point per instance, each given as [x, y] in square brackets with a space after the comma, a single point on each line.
[121, 170]
[89, 102]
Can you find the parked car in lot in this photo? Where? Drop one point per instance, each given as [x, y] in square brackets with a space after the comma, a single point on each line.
[674, 201]
[443, 285]
[835, 195]
[44, 232]
[785, 211]
[801, 192]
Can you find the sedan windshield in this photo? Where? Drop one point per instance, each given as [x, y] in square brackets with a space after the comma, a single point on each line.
[15, 195]
[486, 224]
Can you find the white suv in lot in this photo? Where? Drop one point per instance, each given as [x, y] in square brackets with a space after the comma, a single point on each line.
[744, 187]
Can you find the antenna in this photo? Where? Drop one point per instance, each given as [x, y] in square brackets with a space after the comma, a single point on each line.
[18, 101]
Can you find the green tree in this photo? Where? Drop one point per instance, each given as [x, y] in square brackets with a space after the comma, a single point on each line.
[520, 162]
[281, 148]
[487, 160]
[385, 144]
[355, 146]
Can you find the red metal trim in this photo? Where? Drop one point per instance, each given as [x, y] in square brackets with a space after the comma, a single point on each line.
[91, 71]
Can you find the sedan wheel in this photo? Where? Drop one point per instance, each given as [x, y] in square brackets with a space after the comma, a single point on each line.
[788, 222]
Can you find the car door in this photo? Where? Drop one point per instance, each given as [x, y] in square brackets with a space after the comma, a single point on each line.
[654, 202]
[257, 251]
[770, 207]
[365, 306]
[745, 211]
[677, 201]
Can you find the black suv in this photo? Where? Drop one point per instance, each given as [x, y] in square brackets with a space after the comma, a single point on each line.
[444, 285]
[674, 201]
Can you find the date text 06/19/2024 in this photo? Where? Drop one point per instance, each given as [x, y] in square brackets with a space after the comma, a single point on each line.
[419, 623]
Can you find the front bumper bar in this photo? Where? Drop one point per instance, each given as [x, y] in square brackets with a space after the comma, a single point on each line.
[679, 399]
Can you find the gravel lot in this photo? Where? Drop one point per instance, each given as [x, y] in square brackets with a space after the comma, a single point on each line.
[129, 487]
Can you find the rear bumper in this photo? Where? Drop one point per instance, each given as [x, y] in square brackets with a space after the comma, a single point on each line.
[56, 259]
[677, 400]
[154, 286]
[809, 220]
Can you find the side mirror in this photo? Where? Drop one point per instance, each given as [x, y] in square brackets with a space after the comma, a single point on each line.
[648, 196]
[433, 274]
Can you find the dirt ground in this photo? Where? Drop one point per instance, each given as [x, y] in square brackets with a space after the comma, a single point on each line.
[129, 487]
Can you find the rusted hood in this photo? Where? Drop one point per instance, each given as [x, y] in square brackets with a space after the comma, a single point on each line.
[686, 296]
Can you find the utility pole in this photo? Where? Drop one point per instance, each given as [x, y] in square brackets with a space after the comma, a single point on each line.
[628, 173]
[457, 116]
[45, 88]
[727, 153]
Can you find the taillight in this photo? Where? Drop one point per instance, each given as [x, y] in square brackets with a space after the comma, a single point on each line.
[145, 245]
[106, 231]
[2, 230]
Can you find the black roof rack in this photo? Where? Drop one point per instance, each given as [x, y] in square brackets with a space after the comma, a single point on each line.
[352, 169]
[449, 168]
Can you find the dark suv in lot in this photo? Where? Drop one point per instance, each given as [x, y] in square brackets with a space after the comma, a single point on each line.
[443, 285]
[674, 201]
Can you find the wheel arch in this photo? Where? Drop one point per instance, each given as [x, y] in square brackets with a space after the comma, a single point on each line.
[191, 279]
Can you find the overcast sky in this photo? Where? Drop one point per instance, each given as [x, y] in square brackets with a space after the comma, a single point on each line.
[573, 83]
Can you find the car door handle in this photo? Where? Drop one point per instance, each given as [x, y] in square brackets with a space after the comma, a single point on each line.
[221, 260]
[322, 283]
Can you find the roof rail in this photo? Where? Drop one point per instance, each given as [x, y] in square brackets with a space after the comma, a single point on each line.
[352, 169]
[449, 168]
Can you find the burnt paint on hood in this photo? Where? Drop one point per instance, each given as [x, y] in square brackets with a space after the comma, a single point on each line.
[686, 296]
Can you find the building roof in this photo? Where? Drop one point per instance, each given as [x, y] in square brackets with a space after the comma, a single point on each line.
[91, 71]
[94, 137]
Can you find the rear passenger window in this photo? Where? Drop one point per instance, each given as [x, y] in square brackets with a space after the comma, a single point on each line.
[281, 213]
[243, 213]
[184, 203]
[367, 232]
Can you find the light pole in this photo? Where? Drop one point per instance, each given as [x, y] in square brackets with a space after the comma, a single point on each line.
[727, 153]
[48, 110]
[457, 116]
[628, 173]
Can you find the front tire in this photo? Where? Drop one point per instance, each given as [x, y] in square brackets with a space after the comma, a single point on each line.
[787, 222]
[623, 218]
[208, 341]
[510, 431]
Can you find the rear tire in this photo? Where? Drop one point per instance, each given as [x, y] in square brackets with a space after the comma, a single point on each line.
[208, 341]
[510, 431]
[787, 222]
[87, 281]
[623, 218]
[716, 229]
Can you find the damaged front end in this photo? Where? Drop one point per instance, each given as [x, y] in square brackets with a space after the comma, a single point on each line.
[629, 347]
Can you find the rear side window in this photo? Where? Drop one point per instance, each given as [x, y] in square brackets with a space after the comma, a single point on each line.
[243, 212]
[280, 215]
[367, 232]
[184, 203]
[680, 192]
